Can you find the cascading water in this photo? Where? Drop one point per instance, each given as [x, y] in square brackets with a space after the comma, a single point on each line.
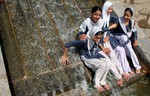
[34, 33]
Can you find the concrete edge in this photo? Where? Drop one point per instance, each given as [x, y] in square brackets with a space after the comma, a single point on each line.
[4, 85]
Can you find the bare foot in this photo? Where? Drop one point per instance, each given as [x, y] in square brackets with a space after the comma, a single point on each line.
[138, 71]
[132, 73]
[126, 76]
[107, 86]
[120, 82]
[99, 88]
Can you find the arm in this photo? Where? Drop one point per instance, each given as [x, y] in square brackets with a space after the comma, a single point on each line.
[135, 42]
[113, 24]
[109, 28]
[64, 59]
[83, 30]
[105, 50]
[81, 36]
[106, 39]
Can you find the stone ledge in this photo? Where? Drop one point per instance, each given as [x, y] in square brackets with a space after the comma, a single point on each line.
[4, 85]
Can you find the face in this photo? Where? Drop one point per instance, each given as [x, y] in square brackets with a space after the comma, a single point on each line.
[96, 16]
[127, 16]
[97, 38]
[110, 9]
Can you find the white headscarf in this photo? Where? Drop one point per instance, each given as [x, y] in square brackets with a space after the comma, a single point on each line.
[105, 16]
[132, 18]
[133, 28]
[91, 35]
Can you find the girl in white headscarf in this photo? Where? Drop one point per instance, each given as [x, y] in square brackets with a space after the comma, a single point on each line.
[125, 29]
[92, 56]
[110, 22]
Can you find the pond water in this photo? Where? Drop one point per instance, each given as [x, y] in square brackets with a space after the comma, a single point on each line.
[140, 88]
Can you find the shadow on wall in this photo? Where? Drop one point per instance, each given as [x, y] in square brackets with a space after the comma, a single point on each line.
[131, 1]
[145, 13]
[143, 23]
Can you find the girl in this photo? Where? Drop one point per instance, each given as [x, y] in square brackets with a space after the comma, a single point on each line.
[110, 22]
[122, 34]
[93, 21]
[93, 57]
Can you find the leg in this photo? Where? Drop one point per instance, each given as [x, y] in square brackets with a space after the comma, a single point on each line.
[98, 75]
[103, 80]
[108, 64]
[130, 52]
[112, 66]
[121, 55]
[115, 60]
[115, 66]
[101, 69]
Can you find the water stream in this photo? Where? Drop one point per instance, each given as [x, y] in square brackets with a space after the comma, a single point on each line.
[34, 33]
[140, 88]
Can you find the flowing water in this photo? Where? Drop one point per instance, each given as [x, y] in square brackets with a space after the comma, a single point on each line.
[140, 88]
[34, 33]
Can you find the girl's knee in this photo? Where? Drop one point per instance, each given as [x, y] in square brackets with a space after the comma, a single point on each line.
[120, 49]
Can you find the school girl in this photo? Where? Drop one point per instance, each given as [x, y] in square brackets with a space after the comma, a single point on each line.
[110, 22]
[93, 58]
[93, 21]
[121, 37]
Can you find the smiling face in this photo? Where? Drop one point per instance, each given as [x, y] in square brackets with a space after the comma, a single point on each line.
[96, 16]
[127, 16]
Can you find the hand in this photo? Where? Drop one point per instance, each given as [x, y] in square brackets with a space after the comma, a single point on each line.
[104, 29]
[106, 39]
[106, 50]
[82, 37]
[64, 60]
[135, 43]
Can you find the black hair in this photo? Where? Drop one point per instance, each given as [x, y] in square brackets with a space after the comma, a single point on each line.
[129, 10]
[99, 33]
[78, 35]
[96, 8]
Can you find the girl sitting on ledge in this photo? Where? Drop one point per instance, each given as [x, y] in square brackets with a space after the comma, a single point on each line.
[93, 57]
[121, 36]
